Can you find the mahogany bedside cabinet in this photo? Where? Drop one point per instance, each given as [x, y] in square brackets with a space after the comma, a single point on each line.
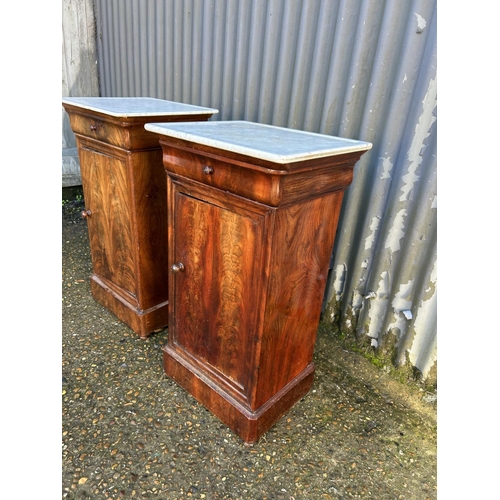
[123, 183]
[252, 215]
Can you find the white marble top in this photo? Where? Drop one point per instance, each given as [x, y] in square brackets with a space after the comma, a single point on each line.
[267, 142]
[136, 106]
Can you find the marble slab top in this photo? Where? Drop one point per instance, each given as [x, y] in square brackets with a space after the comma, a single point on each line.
[136, 106]
[267, 142]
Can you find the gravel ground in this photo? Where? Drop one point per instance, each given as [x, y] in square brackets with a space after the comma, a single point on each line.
[131, 432]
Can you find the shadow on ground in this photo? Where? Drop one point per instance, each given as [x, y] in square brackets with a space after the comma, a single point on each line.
[130, 432]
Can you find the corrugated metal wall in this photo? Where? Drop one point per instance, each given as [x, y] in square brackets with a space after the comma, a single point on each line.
[362, 69]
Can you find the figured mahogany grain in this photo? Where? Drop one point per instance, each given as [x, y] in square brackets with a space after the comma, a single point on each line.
[106, 185]
[301, 246]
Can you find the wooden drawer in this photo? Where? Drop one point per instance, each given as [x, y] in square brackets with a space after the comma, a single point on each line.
[269, 186]
[99, 128]
[238, 178]
[127, 133]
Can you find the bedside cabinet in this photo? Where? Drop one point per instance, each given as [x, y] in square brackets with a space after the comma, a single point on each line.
[124, 182]
[252, 215]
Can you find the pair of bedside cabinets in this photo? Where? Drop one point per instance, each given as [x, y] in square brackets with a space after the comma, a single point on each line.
[223, 231]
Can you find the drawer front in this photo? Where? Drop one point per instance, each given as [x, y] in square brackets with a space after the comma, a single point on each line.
[125, 132]
[99, 129]
[236, 178]
[271, 187]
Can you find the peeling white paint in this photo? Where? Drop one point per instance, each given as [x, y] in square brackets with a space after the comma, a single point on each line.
[396, 232]
[378, 308]
[384, 286]
[339, 283]
[422, 132]
[423, 351]
[401, 305]
[403, 298]
[421, 23]
[364, 264]
[378, 305]
[387, 167]
[370, 239]
[357, 300]
[410, 179]
[433, 278]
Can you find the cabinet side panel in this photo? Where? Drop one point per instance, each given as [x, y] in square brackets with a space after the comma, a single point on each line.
[106, 190]
[217, 294]
[149, 203]
[302, 244]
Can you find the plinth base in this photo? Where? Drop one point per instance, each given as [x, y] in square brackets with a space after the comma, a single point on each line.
[247, 424]
[143, 322]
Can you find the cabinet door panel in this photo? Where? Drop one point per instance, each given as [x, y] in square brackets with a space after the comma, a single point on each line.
[106, 194]
[217, 296]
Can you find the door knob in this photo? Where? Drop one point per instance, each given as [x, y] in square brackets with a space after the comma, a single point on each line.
[175, 268]
[86, 213]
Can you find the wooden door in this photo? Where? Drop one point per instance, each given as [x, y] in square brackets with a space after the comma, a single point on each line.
[217, 299]
[106, 192]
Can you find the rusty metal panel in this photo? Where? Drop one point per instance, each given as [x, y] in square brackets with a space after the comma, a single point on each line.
[354, 68]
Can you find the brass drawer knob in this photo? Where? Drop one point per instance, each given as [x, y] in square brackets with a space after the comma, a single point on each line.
[86, 213]
[177, 267]
[208, 170]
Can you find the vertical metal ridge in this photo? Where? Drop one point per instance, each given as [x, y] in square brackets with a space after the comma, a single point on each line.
[320, 64]
[241, 62]
[150, 81]
[108, 29]
[207, 54]
[257, 30]
[217, 55]
[360, 69]
[117, 48]
[227, 91]
[128, 28]
[168, 40]
[305, 47]
[281, 104]
[197, 79]
[270, 48]
[123, 56]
